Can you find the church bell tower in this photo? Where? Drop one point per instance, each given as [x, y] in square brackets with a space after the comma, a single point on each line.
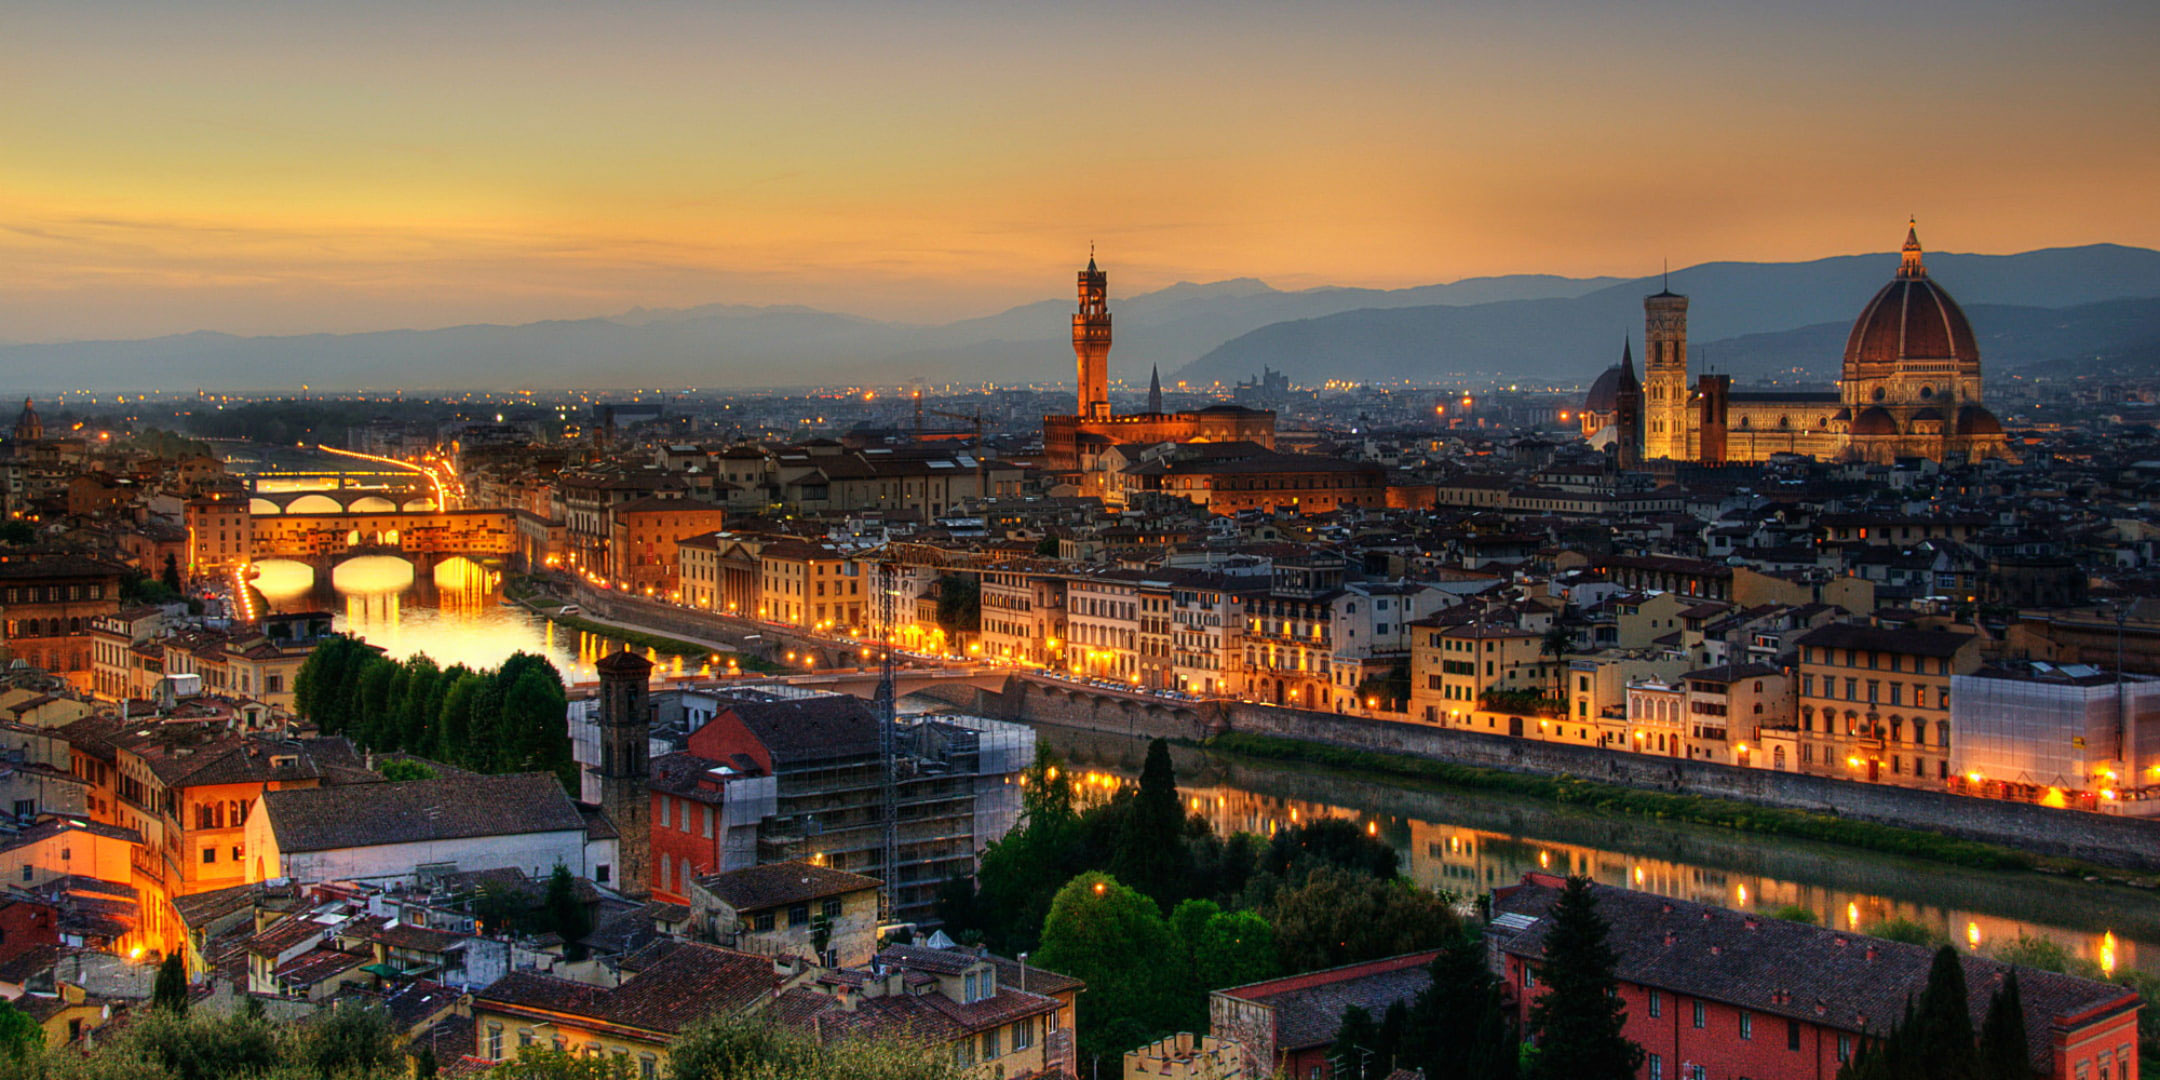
[1665, 377]
[625, 774]
[1091, 343]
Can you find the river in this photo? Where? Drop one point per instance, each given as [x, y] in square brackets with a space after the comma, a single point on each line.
[454, 614]
[1471, 842]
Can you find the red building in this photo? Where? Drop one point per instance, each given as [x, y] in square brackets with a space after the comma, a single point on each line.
[1714, 994]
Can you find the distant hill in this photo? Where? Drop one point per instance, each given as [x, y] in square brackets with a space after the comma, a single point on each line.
[1751, 308]
[1754, 317]
[2106, 335]
[719, 345]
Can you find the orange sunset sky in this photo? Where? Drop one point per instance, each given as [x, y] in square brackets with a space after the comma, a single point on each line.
[275, 168]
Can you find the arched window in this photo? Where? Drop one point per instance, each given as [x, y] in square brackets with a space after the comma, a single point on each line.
[1942, 733]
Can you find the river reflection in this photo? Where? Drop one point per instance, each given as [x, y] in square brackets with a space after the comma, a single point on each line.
[1473, 842]
[454, 613]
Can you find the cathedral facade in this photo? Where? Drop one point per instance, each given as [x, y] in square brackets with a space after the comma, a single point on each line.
[1072, 442]
[1910, 387]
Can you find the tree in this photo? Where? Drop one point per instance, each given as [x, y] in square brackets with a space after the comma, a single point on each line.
[1579, 1016]
[1337, 917]
[348, 1039]
[405, 769]
[1329, 842]
[1113, 938]
[566, 914]
[170, 991]
[1942, 1033]
[20, 1036]
[1358, 1052]
[1460, 1027]
[1233, 948]
[171, 574]
[2004, 1052]
[1149, 845]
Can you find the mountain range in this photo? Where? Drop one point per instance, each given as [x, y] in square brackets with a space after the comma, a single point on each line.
[2099, 301]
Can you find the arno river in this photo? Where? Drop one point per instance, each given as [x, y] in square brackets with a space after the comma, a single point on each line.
[1465, 842]
[1470, 842]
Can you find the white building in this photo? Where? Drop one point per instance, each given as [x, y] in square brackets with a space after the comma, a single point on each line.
[395, 832]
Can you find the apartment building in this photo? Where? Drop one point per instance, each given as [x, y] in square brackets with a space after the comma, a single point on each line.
[1874, 703]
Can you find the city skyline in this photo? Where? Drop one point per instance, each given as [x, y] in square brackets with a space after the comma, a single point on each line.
[280, 172]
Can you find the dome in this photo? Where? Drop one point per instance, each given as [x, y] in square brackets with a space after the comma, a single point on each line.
[1975, 420]
[1604, 396]
[1911, 319]
[1874, 420]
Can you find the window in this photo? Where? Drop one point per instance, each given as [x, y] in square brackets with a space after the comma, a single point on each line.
[1529, 976]
[1657, 1067]
[1698, 1072]
[971, 991]
[1792, 1034]
[990, 1048]
[798, 915]
[494, 1042]
[648, 1067]
[1844, 1048]
[831, 908]
[209, 855]
[964, 1054]
[762, 921]
[1023, 1034]
[1657, 1003]
[1747, 1024]
[1698, 1014]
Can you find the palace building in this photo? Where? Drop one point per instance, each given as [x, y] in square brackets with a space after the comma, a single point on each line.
[1072, 442]
[1910, 388]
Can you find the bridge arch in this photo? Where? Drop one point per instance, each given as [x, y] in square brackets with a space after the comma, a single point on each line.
[314, 503]
[261, 506]
[371, 504]
[421, 505]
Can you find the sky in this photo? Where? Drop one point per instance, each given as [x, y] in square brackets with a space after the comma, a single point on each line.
[303, 167]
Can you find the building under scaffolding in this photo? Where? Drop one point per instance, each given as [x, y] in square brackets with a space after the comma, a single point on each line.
[762, 778]
[2067, 734]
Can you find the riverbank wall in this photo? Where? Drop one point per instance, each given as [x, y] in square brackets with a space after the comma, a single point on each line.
[2103, 839]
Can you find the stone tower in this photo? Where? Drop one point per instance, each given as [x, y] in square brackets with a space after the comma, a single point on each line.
[1628, 413]
[1665, 376]
[1154, 391]
[28, 428]
[625, 727]
[1091, 343]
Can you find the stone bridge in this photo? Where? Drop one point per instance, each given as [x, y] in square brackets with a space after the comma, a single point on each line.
[420, 537]
[347, 501]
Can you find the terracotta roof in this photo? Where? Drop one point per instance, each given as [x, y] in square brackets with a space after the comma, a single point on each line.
[1941, 643]
[676, 984]
[413, 811]
[755, 888]
[810, 729]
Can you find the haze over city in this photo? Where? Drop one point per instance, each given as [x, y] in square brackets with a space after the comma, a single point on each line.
[257, 168]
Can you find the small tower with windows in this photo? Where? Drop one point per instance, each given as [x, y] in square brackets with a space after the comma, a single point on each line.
[625, 774]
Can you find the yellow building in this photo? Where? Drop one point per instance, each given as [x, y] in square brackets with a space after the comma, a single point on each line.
[1874, 704]
[811, 586]
[1491, 678]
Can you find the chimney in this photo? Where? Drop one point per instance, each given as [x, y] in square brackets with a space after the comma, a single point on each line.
[1671, 937]
[1750, 922]
[1717, 950]
[1668, 908]
[1706, 915]
[1871, 954]
[1838, 941]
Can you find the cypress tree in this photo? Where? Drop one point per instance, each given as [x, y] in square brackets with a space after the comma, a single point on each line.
[1454, 1013]
[2004, 1052]
[1941, 1033]
[1578, 1019]
[1150, 842]
[1357, 1051]
[170, 991]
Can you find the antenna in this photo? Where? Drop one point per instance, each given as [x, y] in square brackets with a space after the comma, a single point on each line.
[1668, 275]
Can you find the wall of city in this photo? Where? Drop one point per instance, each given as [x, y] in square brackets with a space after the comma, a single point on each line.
[2103, 839]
